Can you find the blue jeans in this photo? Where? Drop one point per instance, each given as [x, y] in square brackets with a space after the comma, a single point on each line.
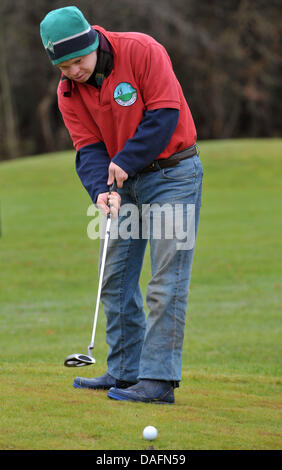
[151, 348]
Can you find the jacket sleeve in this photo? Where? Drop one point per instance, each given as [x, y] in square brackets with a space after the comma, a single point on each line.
[151, 138]
[92, 163]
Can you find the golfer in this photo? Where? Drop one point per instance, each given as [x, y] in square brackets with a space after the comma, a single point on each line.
[130, 123]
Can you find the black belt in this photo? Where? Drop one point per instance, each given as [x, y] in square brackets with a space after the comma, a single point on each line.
[173, 160]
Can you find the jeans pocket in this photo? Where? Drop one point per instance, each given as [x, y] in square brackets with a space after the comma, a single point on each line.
[184, 171]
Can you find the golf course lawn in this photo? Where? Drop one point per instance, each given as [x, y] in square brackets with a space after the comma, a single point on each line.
[230, 393]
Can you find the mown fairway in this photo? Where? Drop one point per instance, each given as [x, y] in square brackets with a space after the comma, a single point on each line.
[230, 396]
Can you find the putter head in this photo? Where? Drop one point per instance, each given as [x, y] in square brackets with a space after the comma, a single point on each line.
[79, 360]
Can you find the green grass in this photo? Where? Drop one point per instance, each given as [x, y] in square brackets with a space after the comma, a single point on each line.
[230, 395]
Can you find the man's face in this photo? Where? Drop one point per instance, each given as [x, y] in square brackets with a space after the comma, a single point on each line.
[79, 69]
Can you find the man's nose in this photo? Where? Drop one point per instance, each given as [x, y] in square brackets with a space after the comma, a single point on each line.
[75, 70]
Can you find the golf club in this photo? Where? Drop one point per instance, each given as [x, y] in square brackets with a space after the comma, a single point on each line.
[79, 360]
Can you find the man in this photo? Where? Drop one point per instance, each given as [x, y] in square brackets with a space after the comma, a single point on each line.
[130, 123]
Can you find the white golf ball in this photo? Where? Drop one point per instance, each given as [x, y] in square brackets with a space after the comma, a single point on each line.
[150, 433]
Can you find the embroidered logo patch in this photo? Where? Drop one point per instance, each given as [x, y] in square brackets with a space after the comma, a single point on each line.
[125, 94]
[50, 46]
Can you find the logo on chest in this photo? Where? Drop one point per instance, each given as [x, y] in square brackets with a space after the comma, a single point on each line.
[125, 94]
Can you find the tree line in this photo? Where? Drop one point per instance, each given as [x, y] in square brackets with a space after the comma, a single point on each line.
[225, 53]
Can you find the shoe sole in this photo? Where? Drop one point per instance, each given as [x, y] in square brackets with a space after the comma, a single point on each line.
[113, 396]
[75, 385]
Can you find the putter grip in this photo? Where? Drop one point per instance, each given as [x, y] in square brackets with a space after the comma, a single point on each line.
[113, 187]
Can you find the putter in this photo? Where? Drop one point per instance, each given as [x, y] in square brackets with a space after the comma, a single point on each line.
[79, 360]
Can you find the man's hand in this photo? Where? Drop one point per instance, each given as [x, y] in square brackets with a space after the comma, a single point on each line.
[116, 174]
[106, 199]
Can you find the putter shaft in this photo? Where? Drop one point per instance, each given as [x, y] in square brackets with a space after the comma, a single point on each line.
[107, 236]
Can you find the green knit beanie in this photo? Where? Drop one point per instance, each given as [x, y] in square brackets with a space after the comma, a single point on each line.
[66, 34]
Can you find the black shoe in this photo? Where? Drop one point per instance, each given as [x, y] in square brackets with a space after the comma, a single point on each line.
[146, 391]
[104, 382]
